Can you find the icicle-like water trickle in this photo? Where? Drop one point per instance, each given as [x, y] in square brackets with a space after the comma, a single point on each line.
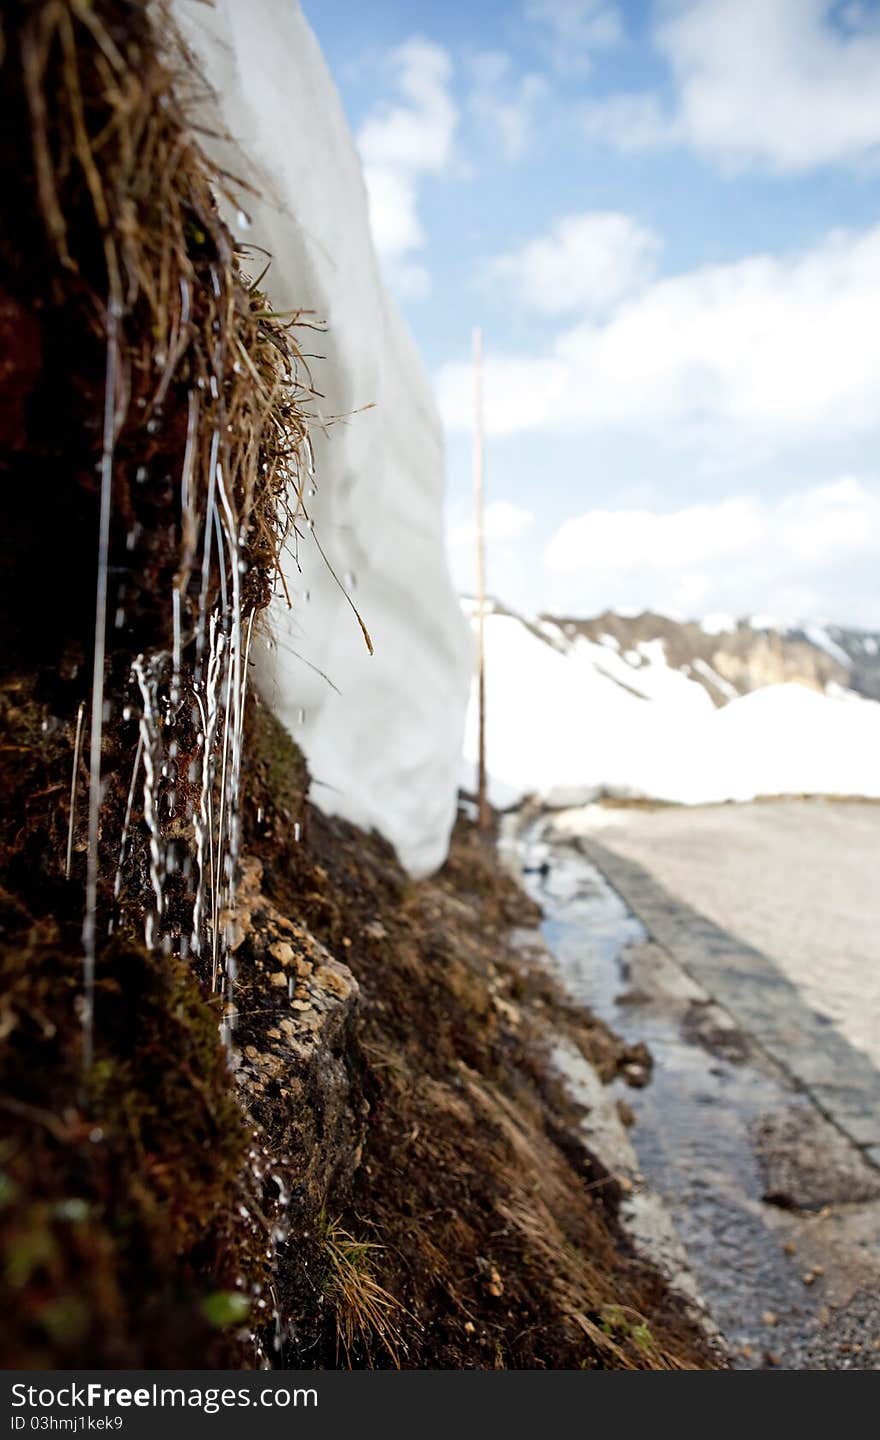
[77, 744]
[151, 745]
[176, 795]
[126, 824]
[107, 451]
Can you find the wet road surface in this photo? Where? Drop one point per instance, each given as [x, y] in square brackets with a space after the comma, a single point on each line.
[776, 1204]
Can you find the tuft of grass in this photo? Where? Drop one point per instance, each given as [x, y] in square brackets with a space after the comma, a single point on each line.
[365, 1311]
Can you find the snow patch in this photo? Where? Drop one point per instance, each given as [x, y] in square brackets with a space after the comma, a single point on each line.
[818, 636]
[723, 686]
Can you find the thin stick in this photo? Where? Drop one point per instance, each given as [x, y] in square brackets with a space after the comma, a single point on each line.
[73, 778]
[483, 816]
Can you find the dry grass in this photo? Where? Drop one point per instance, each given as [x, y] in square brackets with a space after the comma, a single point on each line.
[365, 1312]
[107, 128]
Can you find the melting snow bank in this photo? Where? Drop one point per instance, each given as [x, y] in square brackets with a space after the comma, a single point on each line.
[571, 723]
[384, 745]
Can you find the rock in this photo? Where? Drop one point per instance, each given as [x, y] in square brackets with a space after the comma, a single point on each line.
[282, 952]
[298, 1046]
[807, 1163]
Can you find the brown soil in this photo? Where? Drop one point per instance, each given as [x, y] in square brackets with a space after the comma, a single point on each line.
[494, 1228]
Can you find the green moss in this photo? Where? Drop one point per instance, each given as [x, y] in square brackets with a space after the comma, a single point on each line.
[118, 1205]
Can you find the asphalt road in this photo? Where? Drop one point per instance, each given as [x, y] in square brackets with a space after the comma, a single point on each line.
[739, 944]
[796, 879]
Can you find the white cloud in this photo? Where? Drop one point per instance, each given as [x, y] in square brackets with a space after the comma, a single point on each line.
[401, 143]
[572, 30]
[785, 84]
[505, 102]
[780, 348]
[586, 262]
[804, 555]
[630, 122]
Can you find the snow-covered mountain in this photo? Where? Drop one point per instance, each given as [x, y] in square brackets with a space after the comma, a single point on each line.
[733, 657]
[649, 706]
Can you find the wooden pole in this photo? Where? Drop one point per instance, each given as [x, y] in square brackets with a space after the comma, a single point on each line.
[483, 815]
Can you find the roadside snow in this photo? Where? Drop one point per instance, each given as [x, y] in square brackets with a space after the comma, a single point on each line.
[385, 750]
[570, 727]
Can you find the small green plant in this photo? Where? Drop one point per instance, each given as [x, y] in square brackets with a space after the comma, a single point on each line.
[225, 1307]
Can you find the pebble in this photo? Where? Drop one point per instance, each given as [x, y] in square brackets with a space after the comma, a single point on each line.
[282, 952]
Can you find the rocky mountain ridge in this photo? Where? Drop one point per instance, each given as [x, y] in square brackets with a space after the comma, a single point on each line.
[730, 658]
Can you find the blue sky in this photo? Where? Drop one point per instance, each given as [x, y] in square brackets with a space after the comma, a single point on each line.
[665, 214]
